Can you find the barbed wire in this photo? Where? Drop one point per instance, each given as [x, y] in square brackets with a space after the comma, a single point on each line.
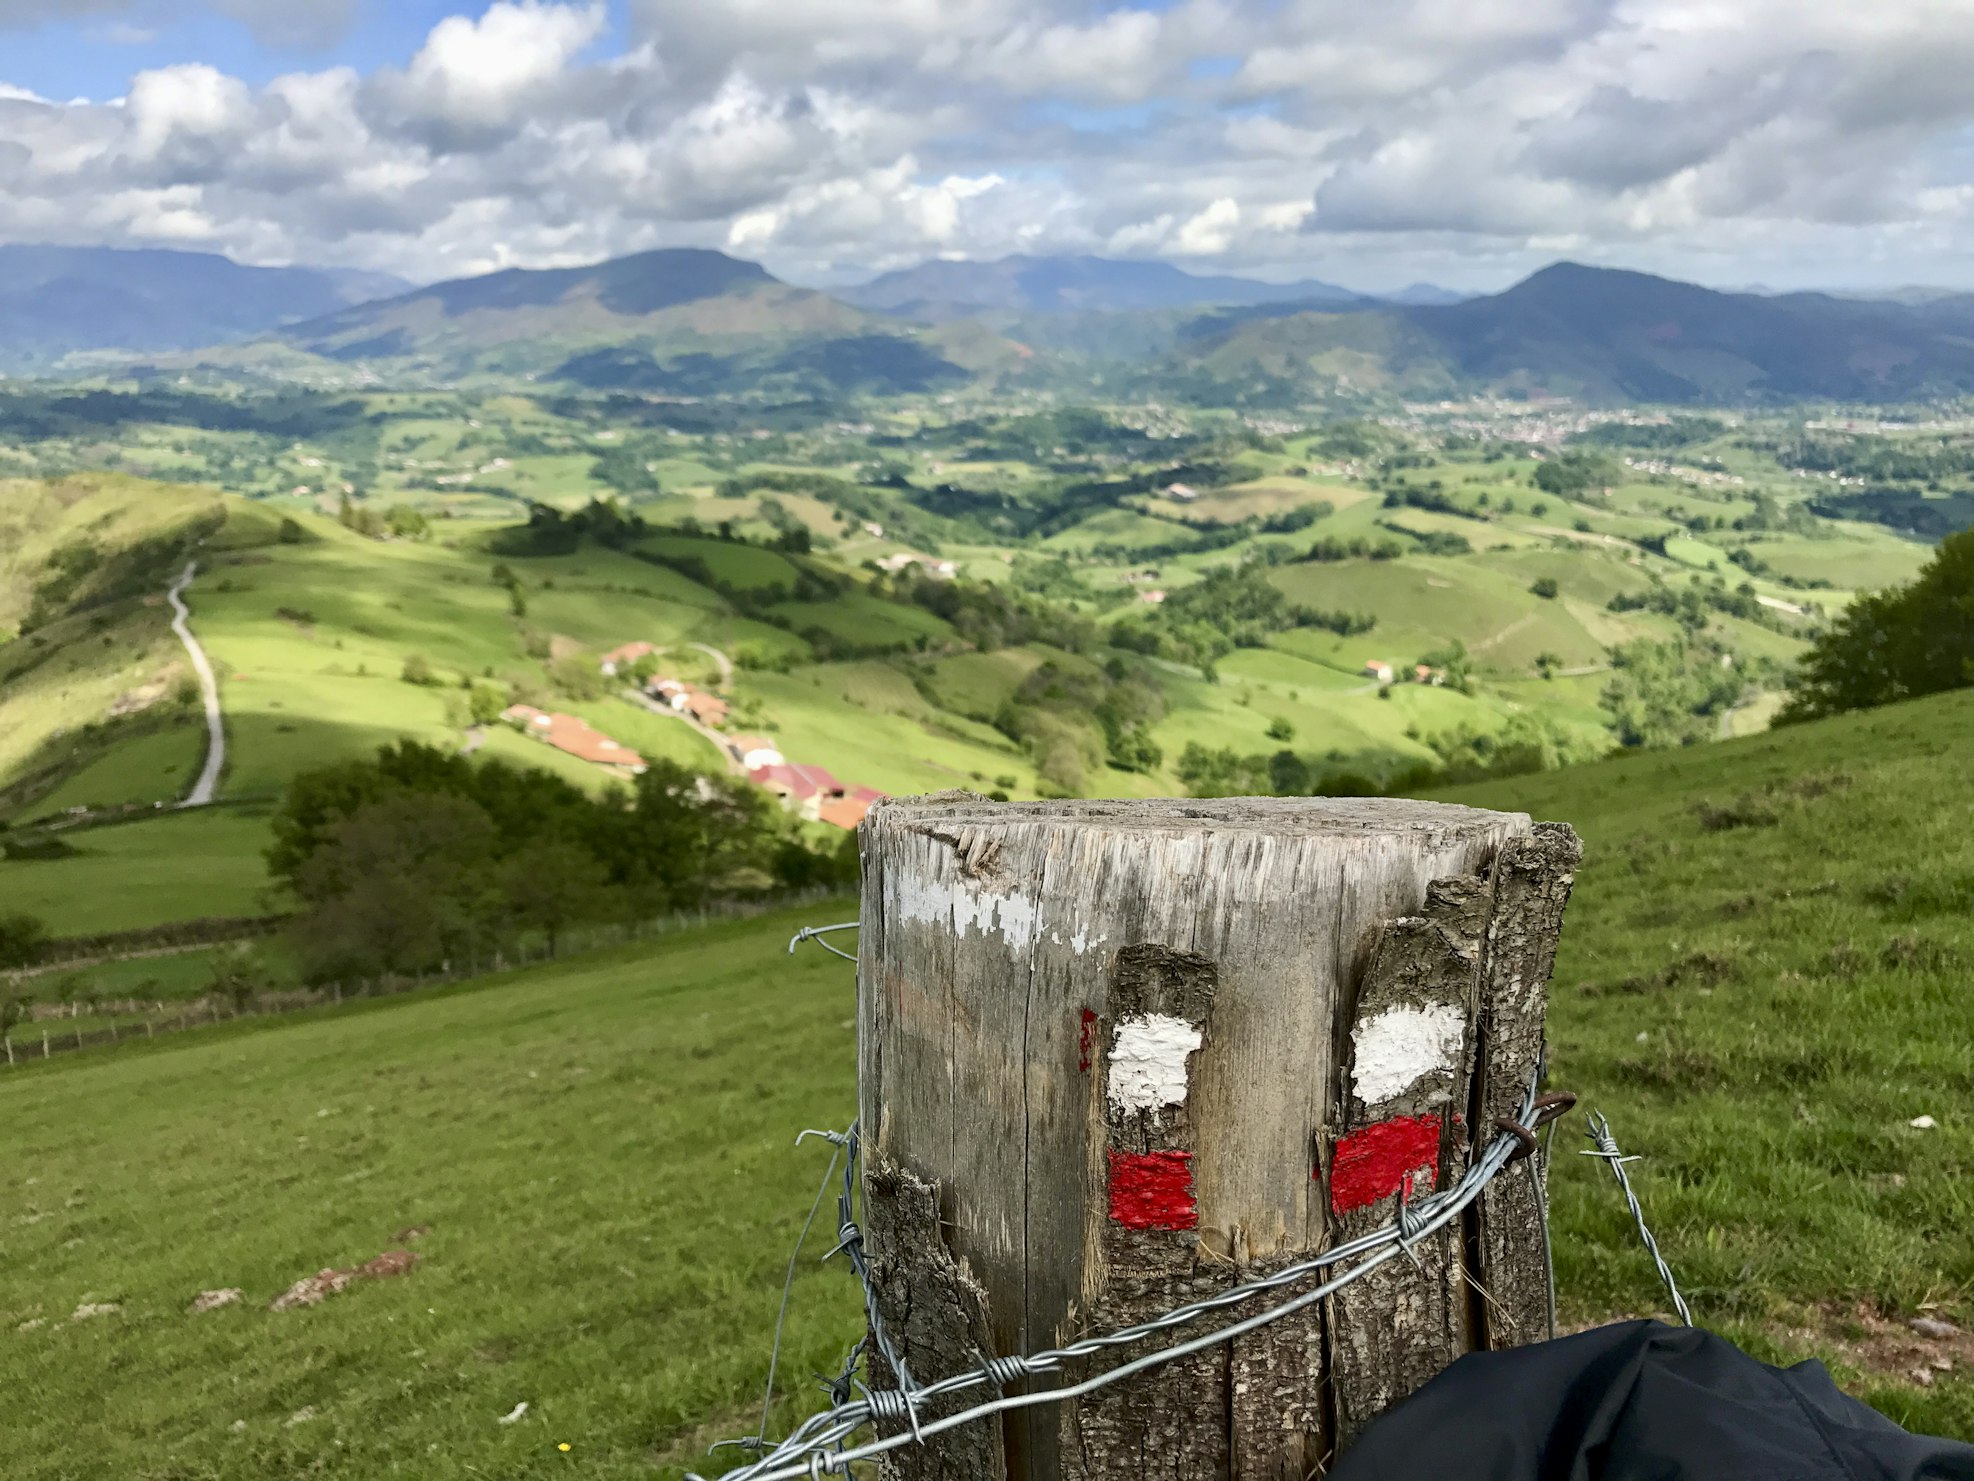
[819, 1445]
[1599, 1132]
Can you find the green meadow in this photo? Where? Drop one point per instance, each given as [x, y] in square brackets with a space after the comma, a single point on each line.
[1761, 982]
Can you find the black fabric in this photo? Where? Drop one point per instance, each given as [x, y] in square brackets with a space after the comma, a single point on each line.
[1641, 1401]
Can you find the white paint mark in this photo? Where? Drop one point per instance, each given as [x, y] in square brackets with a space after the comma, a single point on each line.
[1080, 942]
[961, 908]
[1402, 1045]
[1148, 1062]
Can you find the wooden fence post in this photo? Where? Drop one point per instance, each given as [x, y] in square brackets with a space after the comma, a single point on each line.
[1117, 1056]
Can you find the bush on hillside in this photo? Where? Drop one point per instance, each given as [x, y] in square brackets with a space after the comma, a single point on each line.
[22, 939]
[1574, 473]
[1898, 644]
[418, 856]
[1671, 693]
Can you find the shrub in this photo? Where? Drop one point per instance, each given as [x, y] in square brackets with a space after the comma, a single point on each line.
[22, 939]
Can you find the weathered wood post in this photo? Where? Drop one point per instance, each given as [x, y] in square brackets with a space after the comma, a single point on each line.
[1116, 1056]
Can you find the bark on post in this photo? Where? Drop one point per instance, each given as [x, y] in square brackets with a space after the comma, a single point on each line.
[1109, 1052]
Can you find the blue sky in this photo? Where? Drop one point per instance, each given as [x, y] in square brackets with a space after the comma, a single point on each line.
[1468, 142]
[95, 55]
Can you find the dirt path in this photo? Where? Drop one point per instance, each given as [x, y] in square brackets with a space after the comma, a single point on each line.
[1520, 624]
[725, 663]
[208, 782]
[639, 697]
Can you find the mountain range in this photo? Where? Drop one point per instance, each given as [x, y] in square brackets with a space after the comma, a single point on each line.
[56, 301]
[938, 291]
[693, 322]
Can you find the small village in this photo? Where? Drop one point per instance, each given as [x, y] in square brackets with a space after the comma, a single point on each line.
[811, 793]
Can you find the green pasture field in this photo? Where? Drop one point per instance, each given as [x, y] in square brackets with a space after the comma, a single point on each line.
[859, 617]
[1424, 603]
[746, 567]
[177, 865]
[156, 767]
[601, 1152]
[1761, 982]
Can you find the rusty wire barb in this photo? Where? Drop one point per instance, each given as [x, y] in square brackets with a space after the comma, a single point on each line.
[1606, 1147]
[820, 1445]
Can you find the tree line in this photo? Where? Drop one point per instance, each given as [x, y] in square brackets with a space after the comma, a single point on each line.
[405, 860]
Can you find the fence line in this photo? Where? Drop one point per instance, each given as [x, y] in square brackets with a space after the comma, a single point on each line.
[217, 1007]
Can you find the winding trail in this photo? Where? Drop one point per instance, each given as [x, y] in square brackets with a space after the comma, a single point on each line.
[638, 697]
[208, 782]
[725, 663]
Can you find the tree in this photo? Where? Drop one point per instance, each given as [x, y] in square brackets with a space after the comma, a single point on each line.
[684, 836]
[1672, 693]
[1897, 644]
[23, 938]
[234, 971]
[625, 470]
[553, 885]
[418, 670]
[1573, 473]
[399, 886]
[1546, 588]
[577, 676]
[1289, 775]
[485, 700]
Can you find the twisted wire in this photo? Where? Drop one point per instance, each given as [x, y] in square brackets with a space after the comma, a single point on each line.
[818, 1445]
[1599, 1132]
[816, 934]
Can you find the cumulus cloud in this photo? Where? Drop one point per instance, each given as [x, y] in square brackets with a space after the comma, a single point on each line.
[1461, 139]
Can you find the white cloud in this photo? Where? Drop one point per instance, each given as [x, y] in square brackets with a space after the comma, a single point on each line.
[1461, 139]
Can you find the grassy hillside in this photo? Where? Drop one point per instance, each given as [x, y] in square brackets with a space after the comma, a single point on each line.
[603, 1158]
[1760, 982]
[85, 639]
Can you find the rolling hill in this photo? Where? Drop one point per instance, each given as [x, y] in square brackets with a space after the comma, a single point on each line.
[1601, 335]
[690, 322]
[938, 291]
[55, 301]
[679, 322]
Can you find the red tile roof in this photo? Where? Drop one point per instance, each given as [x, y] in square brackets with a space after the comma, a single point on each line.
[845, 811]
[573, 736]
[629, 653]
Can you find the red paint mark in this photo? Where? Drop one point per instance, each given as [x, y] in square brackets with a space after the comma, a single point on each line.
[1084, 1044]
[1383, 1159]
[1152, 1190]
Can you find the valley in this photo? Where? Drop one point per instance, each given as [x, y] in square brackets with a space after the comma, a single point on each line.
[554, 618]
[930, 597]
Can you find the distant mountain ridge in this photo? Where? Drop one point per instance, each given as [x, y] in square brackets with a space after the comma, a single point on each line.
[1604, 334]
[56, 301]
[940, 290]
[696, 322]
[676, 321]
